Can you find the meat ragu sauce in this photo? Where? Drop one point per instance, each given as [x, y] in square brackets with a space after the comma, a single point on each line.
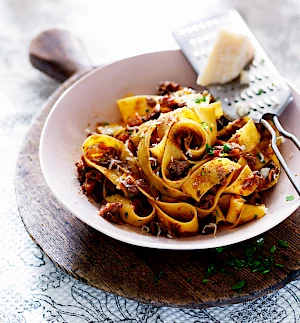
[98, 187]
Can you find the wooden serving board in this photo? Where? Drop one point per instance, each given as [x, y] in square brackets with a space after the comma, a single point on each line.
[158, 277]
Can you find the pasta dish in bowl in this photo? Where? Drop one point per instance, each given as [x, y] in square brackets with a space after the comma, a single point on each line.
[156, 167]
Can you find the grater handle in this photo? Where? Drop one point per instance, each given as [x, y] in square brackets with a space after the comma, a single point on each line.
[59, 54]
[285, 134]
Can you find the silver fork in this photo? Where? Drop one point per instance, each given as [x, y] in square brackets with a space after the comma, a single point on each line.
[267, 94]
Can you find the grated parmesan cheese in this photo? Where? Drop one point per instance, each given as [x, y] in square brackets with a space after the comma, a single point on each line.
[189, 153]
[170, 237]
[210, 225]
[242, 109]
[110, 166]
[265, 172]
[153, 159]
[261, 157]
[112, 162]
[281, 139]
[159, 229]
[132, 128]
[145, 229]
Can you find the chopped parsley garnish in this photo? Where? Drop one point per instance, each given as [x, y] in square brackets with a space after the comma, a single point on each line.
[283, 244]
[236, 263]
[126, 215]
[204, 125]
[210, 128]
[211, 270]
[259, 156]
[209, 149]
[205, 280]
[189, 279]
[199, 100]
[260, 91]
[227, 148]
[239, 286]
[203, 173]
[257, 259]
[289, 198]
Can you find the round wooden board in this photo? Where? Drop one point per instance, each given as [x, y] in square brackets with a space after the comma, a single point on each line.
[158, 277]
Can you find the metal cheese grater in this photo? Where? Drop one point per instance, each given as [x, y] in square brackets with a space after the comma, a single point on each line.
[267, 94]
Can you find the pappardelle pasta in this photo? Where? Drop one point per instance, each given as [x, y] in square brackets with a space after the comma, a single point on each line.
[176, 166]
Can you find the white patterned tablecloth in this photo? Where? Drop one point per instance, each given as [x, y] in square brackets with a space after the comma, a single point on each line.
[32, 288]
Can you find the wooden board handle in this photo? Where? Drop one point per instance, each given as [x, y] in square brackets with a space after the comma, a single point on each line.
[59, 54]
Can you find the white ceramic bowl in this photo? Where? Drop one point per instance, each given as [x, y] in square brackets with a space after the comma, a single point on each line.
[93, 98]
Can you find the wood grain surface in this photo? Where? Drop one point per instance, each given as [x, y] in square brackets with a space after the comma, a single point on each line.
[158, 277]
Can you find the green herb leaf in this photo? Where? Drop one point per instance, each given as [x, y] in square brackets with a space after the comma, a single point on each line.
[205, 280]
[227, 148]
[209, 149]
[220, 249]
[211, 269]
[189, 279]
[283, 244]
[273, 249]
[260, 91]
[289, 198]
[199, 100]
[126, 215]
[204, 125]
[239, 285]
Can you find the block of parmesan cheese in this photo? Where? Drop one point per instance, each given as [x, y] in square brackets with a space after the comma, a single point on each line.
[231, 52]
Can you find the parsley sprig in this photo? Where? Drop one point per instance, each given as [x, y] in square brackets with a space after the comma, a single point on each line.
[227, 148]
[209, 149]
[289, 198]
[199, 100]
